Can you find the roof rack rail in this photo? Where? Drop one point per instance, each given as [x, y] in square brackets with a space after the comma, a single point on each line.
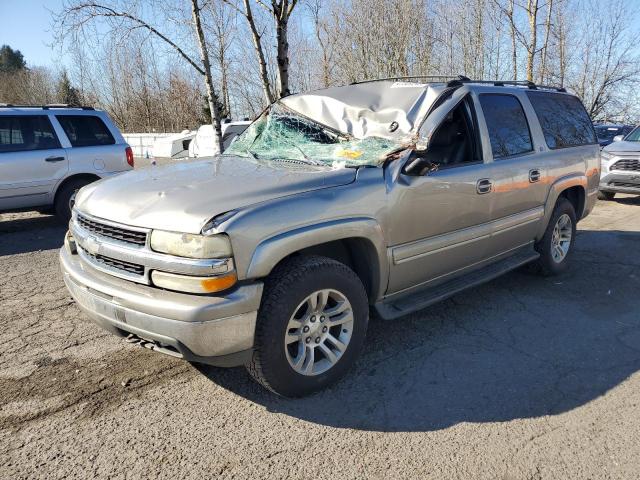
[458, 80]
[438, 78]
[520, 83]
[45, 106]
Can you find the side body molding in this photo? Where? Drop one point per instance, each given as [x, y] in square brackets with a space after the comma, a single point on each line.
[272, 250]
[563, 183]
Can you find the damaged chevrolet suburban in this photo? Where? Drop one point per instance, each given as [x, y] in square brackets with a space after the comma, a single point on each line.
[388, 194]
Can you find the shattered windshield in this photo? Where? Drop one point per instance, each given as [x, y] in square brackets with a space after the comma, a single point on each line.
[282, 135]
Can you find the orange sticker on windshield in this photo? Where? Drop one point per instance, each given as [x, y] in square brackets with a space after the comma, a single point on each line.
[349, 153]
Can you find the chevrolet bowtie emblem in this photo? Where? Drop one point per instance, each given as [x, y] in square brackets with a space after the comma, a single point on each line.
[92, 246]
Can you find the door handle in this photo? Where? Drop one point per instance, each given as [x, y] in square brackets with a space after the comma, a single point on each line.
[534, 175]
[54, 159]
[484, 185]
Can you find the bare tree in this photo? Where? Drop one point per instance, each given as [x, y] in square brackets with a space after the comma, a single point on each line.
[76, 14]
[545, 47]
[325, 40]
[222, 27]
[280, 12]
[531, 45]
[212, 96]
[560, 35]
[554, 41]
[606, 62]
[509, 13]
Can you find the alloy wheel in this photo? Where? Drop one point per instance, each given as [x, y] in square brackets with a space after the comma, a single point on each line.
[561, 238]
[318, 332]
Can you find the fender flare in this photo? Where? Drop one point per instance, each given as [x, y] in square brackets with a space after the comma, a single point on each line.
[274, 249]
[559, 186]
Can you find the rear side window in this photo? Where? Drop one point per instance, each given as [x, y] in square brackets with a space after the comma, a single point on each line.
[85, 130]
[563, 118]
[26, 132]
[507, 124]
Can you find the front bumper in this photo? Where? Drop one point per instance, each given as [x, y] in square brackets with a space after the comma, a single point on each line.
[620, 182]
[215, 330]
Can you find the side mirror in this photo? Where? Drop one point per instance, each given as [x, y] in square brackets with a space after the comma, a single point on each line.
[418, 164]
[618, 138]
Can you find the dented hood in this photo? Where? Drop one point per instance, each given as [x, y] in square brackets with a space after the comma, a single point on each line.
[385, 109]
[184, 196]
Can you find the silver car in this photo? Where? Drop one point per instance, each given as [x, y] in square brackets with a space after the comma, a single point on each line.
[47, 153]
[621, 166]
[389, 195]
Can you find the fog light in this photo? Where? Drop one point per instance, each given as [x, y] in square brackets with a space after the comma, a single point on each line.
[187, 283]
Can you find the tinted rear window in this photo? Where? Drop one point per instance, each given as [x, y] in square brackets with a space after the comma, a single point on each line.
[85, 130]
[507, 124]
[26, 132]
[563, 118]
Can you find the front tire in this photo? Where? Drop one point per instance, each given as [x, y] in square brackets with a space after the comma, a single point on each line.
[65, 198]
[556, 245]
[311, 326]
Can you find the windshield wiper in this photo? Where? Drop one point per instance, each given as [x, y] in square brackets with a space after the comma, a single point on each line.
[307, 159]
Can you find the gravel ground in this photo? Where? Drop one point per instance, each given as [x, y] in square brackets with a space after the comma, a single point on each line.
[522, 378]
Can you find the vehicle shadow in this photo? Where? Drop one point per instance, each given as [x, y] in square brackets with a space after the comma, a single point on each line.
[628, 200]
[23, 233]
[521, 346]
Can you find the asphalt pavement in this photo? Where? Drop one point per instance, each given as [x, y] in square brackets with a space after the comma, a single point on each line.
[522, 378]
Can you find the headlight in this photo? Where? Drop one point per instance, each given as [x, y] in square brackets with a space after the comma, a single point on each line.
[605, 160]
[190, 245]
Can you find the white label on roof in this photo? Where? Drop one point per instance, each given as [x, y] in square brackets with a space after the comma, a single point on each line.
[408, 85]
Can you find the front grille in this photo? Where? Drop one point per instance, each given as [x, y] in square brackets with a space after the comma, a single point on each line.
[630, 164]
[117, 264]
[110, 231]
[625, 185]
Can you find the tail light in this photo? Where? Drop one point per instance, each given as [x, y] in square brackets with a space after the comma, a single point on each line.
[129, 154]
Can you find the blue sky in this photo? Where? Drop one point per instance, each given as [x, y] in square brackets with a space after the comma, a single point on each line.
[26, 25]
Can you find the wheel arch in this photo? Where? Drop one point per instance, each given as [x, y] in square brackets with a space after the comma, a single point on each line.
[358, 243]
[577, 196]
[78, 176]
[574, 189]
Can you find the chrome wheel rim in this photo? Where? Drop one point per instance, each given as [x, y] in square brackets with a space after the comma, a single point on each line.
[561, 238]
[318, 332]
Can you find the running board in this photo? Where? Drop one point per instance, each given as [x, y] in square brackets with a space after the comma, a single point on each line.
[410, 303]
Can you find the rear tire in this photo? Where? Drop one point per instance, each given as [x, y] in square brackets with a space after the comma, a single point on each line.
[285, 338]
[556, 245]
[606, 195]
[65, 198]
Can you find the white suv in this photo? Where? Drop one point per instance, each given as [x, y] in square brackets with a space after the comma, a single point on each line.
[47, 153]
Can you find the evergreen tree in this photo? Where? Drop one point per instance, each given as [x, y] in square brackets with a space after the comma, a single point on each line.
[65, 92]
[11, 60]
